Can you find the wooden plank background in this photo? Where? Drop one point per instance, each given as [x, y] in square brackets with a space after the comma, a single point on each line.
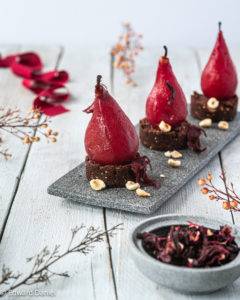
[31, 219]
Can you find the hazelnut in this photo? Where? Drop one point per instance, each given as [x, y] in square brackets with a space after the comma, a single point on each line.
[97, 184]
[212, 104]
[173, 154]
[174, 163]
[223, 125]
[168, 153]
[209, 232]
[142, 193]
[176, 154]
[164, 126]
[205, 123]
[132, 186]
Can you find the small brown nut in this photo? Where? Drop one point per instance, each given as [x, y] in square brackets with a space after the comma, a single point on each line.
[164, 126]
[174, 163]
[27, 140]
[176, 154]
[52, 139]
[132, 186]
[48, 131]
[223, 125]
[142, 193]
[212, 104]
[167, 153]
[206, 123]
[97, 184]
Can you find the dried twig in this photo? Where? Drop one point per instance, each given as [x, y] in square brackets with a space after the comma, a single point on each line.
[43, 261]
[125, 51]
[228, 196]
[24, 127]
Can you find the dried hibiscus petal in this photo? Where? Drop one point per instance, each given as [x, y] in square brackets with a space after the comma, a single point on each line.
[191, 245]
[193, 138]
[139, 168]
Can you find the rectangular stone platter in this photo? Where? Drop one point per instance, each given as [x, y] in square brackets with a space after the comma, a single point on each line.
[74, 185]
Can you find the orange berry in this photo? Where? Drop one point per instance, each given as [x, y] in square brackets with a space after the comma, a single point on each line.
[204, 191]
[226, 205]
[234, 203]
[201, 181]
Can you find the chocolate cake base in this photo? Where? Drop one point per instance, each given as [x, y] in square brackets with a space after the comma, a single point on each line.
[155, 139]
[112, 175]
[226, 110]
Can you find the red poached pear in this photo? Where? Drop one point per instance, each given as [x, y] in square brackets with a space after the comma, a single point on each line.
[110, 137]
[166, 101]
[219, 77]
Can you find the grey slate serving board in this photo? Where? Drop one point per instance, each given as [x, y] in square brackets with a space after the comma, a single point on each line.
[74, 185]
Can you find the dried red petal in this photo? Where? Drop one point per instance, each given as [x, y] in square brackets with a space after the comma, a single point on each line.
[191, 245]
[193, 138]
[54, 78]
[139, 167]
[48, 86]
[26, 64]
[47, 101]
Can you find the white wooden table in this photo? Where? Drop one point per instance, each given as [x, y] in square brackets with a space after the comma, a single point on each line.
[31, 219]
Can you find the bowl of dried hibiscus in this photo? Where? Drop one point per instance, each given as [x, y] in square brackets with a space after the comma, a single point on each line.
[190, 254]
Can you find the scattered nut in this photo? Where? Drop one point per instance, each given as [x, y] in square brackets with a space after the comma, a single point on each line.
[168, 154]
[212, 104]
[223, 125]
[165, 127]
[174, 163]
[205, 123]
[142, 193]
[173, 154]
[162, 176]
[97, 184]
[132, 186]
[209, 232]
[176, 154]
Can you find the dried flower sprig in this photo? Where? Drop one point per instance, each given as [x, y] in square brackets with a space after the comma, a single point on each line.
[228, 196]
[43, 261]
[24, 127]
[124, 52]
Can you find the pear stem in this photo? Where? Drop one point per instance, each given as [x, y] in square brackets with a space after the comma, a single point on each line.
[99, 78]
[166, 51]
[219, 26]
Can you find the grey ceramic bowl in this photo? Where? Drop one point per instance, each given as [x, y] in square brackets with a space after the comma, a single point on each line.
[183, 279]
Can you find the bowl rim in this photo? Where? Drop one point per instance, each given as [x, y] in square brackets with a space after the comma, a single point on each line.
[151, 260]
